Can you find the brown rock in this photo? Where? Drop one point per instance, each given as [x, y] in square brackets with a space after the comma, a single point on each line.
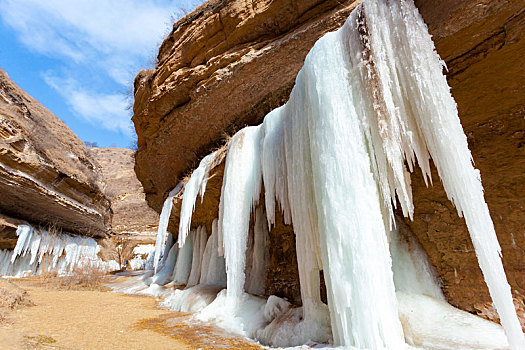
[8, 228]
[224, 66]
[131, 214]
[47, 176]
[230, 62]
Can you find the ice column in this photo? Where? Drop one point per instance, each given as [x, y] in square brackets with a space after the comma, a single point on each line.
[164, 275]
[240, 190]
[353, 238]
[213, 270]
[199, 242]
[181, 272]
[163, 225]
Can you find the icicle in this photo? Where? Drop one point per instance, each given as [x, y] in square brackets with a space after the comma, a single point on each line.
[195, 185]
[274, 166]
[240, 191]
[354, 244]
[39, 251]
[163, 225]
[410, 76]
[24, 233]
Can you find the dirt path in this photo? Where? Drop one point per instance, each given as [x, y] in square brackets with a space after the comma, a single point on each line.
[69, 319]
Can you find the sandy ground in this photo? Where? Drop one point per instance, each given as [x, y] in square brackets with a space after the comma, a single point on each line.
[69, 319]
[94, 318]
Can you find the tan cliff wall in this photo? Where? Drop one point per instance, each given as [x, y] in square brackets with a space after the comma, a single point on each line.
[47, 176]
[230, 62]
[131, 213]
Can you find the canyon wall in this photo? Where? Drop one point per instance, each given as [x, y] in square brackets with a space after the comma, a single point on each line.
[229, 63]
[131, 213]
[47, 176]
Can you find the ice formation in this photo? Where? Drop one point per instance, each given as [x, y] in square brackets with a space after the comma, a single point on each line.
[241, 189]
[181, 271]
[213, 270]
[370, 101]
[199, 244]
[142, 255]
[163, 225]
[164, 274]
[38, 251]
[255, 284]
[196, 185]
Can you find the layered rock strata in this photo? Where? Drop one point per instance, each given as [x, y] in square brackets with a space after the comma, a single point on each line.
[47, 176]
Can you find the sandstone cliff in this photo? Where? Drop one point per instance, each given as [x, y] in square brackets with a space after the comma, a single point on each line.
[47, 176]
[131, 214]
[228, 63]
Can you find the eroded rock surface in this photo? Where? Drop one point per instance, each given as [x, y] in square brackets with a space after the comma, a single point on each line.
[222, 67]
[230, 62]
[47, 176]
[131, 213]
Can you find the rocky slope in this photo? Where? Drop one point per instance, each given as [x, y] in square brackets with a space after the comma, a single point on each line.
[131, 214]
[47, 176]
[228, 63]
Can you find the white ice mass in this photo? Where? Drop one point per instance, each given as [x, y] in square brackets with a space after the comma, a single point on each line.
[38, 251]
[370, 101]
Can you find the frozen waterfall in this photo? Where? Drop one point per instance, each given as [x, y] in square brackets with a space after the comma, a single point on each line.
[369, 104]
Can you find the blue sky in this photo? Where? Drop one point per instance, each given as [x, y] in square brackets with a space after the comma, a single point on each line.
[79, 57]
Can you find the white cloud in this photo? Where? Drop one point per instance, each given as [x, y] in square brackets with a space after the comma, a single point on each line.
[104, 110]
[100, 46]
[121, 33]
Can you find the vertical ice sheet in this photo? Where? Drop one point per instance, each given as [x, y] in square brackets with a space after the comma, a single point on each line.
[181, 272]
[163, 225]
[164, 275]
[240, 190]
[213, 271]
[197, 256]
[412, 270]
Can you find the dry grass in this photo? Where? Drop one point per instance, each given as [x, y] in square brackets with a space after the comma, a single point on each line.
[11, 297]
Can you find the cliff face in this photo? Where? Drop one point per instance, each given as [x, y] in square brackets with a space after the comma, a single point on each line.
[47, 176]
[131, 214]
[230, 62]
[222, 67]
